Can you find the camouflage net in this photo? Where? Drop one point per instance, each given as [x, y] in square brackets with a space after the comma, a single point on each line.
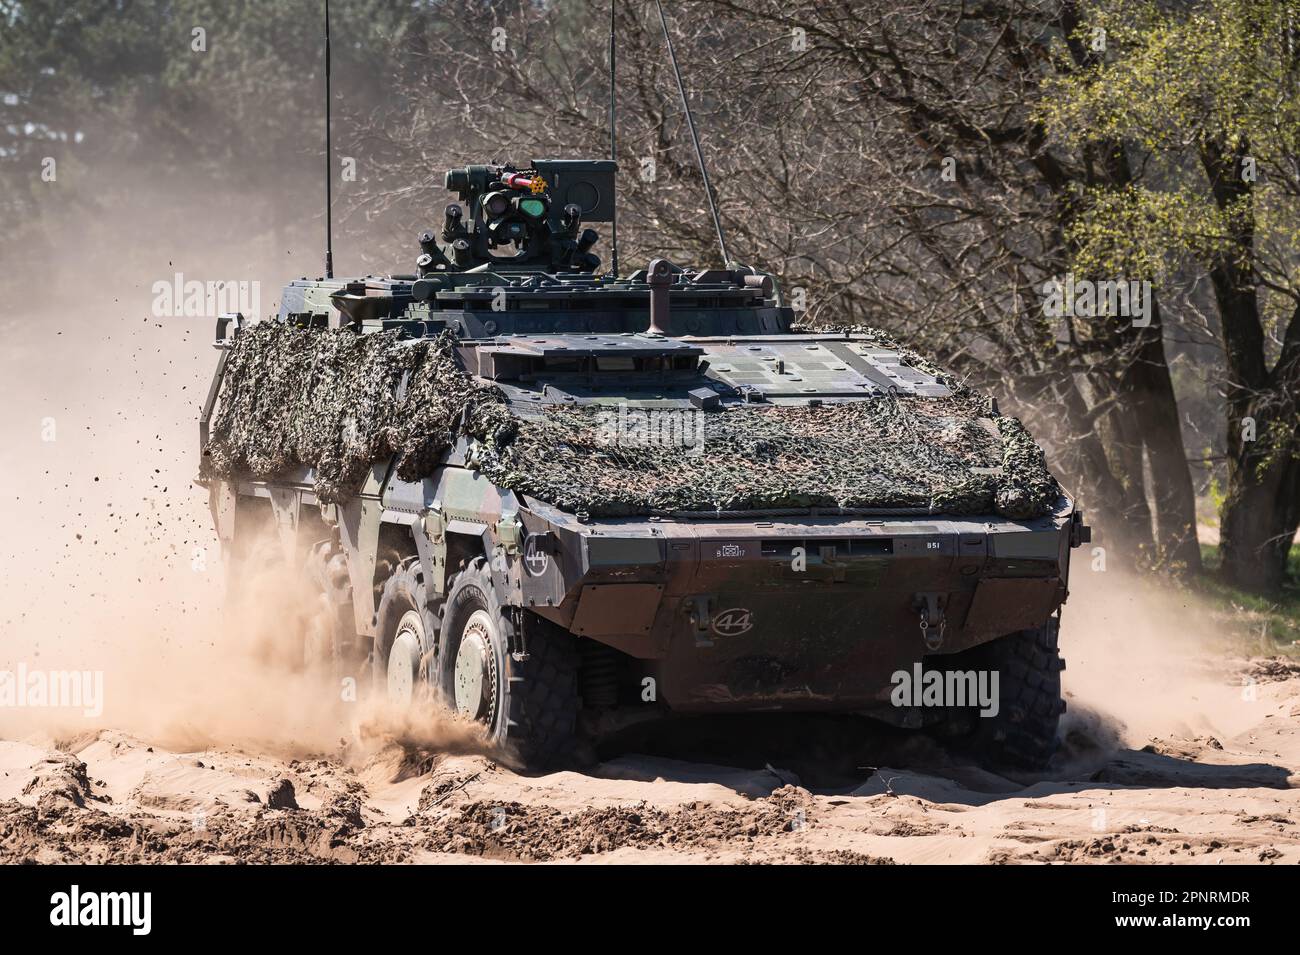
[335, 401]
[892, 453]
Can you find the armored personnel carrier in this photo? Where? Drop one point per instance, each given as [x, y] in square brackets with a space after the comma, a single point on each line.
[559, 502]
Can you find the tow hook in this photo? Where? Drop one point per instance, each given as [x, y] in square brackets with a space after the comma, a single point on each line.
[699, 611]
[1080, 533]
[933, 621]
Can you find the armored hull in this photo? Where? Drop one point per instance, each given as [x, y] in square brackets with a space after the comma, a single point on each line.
[559, 502]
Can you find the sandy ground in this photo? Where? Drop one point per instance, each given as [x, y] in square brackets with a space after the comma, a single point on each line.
[1190, 798]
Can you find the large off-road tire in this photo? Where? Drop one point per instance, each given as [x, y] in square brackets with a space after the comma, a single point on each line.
[524, 687]
[293, 615]
[1023, 734]
[329, 643]
[405, 637]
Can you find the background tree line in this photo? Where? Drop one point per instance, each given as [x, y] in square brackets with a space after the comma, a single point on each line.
[927, 169]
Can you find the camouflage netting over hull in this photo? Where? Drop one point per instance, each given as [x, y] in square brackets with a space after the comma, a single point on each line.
[334, 401]
[891, 453]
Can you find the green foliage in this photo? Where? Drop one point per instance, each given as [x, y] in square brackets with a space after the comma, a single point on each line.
[118, 90]
[1173, 82]
[1277, 445]
[1217, 495]
[1143, 232]
[1271, 623]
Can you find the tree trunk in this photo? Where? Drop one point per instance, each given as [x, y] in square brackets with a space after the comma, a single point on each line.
[1119, 508]
[1262, 506]
[1149, 390]
[1123, 443]
[1260, 516]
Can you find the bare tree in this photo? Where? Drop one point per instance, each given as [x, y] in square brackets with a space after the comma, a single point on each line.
[885, 160]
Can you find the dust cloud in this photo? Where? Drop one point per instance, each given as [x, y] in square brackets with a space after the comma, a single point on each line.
[110, 562]
[1146, 659]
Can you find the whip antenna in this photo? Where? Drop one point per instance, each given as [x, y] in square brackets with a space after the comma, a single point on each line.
[329, 158]
[690, 122]
[613, 145]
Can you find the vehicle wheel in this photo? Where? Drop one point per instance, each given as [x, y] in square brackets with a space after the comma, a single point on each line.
[328, 641]
[529, 703]
[294, 616]
[1023, 734]
[405, 639]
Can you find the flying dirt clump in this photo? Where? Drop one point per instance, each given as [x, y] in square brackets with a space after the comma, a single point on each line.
[339, 402]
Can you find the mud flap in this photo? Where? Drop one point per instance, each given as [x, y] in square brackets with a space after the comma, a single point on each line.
[221, 502]
[359, 521]
[431, 546]
[284, 507]
[1005, 605]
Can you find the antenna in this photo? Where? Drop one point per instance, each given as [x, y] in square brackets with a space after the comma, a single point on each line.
[613, 144]
[329, 158]
[690, 122]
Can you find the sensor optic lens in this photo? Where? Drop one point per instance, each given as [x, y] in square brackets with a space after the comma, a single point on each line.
[533, 208]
